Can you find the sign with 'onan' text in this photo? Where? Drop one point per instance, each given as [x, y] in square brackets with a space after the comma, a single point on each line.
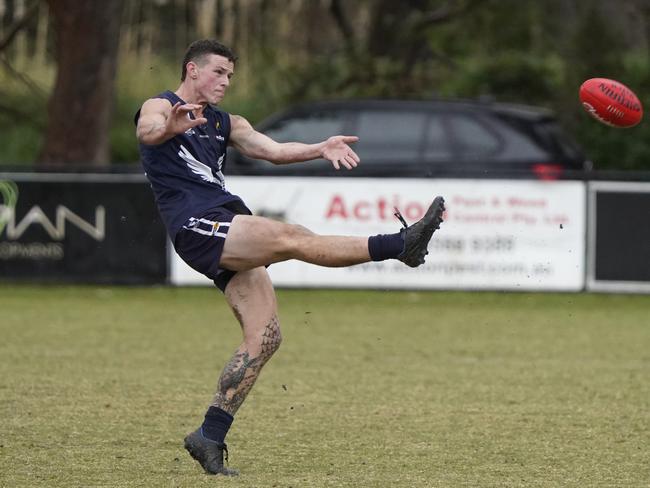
[80, 228]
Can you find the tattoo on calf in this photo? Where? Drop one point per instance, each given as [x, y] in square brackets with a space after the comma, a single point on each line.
[240, 373]
[271, 338]
[235, 371]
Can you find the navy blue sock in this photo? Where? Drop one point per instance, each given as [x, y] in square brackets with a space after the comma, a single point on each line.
[216, 424]
[385, 246]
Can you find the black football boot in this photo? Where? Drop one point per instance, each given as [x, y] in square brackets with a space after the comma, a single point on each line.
[417, 236]
[209, 454]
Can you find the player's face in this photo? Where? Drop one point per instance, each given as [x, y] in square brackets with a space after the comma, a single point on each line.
[213, 78]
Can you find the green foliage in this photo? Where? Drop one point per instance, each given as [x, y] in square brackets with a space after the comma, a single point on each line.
[23, 109]
[503, 76]
[509, 50]
[20, 143]
[23, 116]
[403, 390]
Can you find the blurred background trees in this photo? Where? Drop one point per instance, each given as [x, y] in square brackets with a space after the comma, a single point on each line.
[529, 51]
[80, 104]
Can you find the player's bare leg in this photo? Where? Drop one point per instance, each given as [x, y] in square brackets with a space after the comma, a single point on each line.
[258, 241]
[251, 296]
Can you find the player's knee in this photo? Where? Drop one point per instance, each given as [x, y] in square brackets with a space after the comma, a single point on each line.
[293, 239]
[268, 339]
[302, 230]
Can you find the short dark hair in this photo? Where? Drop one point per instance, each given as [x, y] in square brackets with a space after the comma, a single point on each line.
[200, 48]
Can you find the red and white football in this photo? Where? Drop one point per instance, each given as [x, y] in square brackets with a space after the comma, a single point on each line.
[611, 102]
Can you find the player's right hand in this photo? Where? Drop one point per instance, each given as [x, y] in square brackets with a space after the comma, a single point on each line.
[337, 150]
[179, 119]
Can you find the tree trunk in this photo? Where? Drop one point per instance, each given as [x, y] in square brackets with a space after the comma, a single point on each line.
[80, 107]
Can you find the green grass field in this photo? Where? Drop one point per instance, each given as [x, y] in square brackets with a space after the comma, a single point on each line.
[98, 387]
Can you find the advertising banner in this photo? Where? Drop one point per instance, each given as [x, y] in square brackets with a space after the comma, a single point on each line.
[80, 228]
[497, 234]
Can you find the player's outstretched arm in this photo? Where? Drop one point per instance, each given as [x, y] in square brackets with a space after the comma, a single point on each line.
[257, 145]
[160, 121]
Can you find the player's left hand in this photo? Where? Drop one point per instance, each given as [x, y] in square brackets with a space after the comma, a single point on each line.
[337, 150]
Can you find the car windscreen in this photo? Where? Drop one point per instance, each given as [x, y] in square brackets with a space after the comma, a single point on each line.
[389, 135]
[554, 136]
[309, 128]
[491, 138]
[474, 137]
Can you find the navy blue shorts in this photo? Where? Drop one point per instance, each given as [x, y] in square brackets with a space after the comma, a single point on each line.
[200, 241]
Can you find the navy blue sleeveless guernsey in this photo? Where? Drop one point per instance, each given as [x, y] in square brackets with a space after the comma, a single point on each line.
[186, 171]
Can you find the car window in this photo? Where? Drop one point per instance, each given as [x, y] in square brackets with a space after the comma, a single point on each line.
[520, 142]
[310, 128]
[389, 135]
[437, 144]
[552, 135]
[474, 138]
[497, 140]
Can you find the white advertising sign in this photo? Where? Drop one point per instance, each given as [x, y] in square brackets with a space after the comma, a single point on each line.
[497, 234]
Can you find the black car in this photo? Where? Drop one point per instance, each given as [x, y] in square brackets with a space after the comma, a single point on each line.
[431, 138]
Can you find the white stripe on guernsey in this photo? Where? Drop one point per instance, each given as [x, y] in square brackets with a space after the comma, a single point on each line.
[206, 232]
[210, 222]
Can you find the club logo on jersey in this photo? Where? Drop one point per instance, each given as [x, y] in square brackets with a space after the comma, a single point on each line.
[219, 137]
[201, 169]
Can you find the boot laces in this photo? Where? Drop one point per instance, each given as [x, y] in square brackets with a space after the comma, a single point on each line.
[401, 219]
[225, 452]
